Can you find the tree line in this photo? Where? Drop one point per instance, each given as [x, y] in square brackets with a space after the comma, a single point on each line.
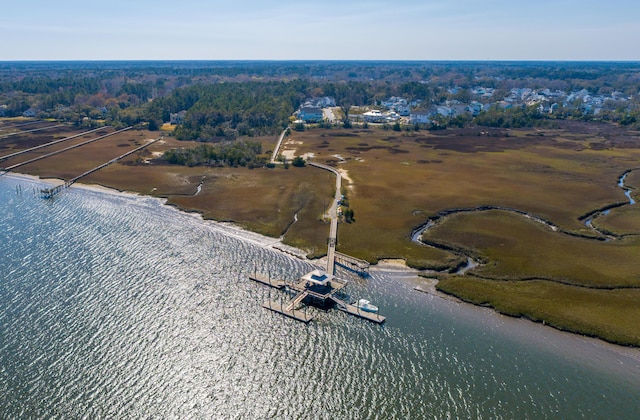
[232, 154]
[228, 99]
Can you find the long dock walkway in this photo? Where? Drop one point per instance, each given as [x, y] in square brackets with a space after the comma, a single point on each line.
[21, 152]
[10, 168]
[317, 286]
[274, 155]
[14, 133]
[333, 214]
[50, 192]
[114, 160]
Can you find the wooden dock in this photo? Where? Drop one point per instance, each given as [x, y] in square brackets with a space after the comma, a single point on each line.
[280, 307]
[356, 311]
[361, 267]
[308, 292]
[51, 192]
[268, 281]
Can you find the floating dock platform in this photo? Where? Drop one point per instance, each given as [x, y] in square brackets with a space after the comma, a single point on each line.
[316, 287]
[281, 308]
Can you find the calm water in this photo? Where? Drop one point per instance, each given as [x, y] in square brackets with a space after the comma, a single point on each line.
[115, 306]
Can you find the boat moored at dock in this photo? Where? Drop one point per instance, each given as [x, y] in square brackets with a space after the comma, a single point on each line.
[365, 305]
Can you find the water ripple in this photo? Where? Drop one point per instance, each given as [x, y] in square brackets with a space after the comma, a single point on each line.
[115, 306]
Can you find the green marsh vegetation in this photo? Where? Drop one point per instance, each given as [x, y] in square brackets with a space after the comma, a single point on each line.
[399, 181]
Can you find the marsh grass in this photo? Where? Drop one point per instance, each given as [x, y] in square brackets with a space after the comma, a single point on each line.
[622, 221]
[609, 314]
[402, 179]
[517, 248]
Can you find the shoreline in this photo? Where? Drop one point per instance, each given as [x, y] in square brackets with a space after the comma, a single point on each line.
[229, 228]
[427, 285]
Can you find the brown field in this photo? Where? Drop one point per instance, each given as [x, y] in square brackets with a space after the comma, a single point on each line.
[10, 125]
[395, 181]
[622, 221]
[17, 142]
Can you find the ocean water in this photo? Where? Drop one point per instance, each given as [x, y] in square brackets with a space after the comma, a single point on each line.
[116, 306]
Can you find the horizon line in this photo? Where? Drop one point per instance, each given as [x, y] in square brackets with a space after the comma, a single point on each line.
[275, 60]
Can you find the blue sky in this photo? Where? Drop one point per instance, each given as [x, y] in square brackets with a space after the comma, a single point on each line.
[322, 29]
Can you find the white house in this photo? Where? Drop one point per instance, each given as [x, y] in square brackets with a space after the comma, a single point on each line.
[323, 102]
[420, 117]
[374, 116]
[403, 110]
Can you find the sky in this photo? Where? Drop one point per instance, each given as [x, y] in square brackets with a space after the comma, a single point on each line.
[320, 30]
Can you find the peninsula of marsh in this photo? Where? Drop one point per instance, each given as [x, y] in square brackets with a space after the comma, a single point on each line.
[514, 201]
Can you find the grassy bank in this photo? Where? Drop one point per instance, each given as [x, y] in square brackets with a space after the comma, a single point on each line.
[608, 314]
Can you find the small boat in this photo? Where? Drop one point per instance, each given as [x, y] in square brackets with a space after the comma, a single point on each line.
[365, 305]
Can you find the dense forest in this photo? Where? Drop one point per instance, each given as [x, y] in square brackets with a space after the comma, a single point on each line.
[229, 99]
[229, 109]
[233, 154]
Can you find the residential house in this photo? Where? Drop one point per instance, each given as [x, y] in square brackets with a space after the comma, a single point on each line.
[374, 116]
[483, 91]
[403, 110]
[474, 108]
[177, 118]
[445, 111]
[420, 117]
[398, 105]
[323, 102]
[505, 104]
[310, 114]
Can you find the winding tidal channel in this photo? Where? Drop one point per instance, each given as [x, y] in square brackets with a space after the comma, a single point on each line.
[117, 306]
[416, 234]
